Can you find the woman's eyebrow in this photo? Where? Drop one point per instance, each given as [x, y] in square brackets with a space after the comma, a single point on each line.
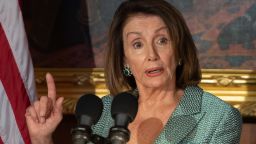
[136, 33]
[161, 28]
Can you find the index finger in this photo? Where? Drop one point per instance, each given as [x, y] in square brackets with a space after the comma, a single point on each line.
[51, 87]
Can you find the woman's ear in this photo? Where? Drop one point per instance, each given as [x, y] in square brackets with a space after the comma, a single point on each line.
[125, 62]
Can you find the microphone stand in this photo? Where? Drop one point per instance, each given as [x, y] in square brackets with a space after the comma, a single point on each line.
[81, 134]
[119, 135]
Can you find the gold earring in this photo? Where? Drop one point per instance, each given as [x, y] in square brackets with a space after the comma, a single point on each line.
[179, 62]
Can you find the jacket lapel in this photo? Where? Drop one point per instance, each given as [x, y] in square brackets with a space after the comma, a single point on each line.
[186, 116]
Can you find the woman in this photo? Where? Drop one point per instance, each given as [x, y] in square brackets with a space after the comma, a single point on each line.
[151, 50]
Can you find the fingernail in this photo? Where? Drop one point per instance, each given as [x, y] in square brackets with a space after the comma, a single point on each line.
[27, 114]
[41, 114]
[42, 119]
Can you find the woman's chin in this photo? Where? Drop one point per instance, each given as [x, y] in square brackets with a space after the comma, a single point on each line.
[155, 85]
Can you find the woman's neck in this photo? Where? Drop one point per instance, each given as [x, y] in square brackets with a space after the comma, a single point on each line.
[155, 108]
[162, 96]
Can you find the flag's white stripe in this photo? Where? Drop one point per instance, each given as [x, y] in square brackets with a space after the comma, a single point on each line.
[12, 23]
[9, 130]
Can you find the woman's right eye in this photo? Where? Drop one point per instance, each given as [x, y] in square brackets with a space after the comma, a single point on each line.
[137, 45]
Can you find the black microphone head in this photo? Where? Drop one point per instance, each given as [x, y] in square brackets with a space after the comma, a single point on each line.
[88, 109]
[125, 105]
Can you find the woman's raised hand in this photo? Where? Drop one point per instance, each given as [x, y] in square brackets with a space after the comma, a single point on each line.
[44, 115]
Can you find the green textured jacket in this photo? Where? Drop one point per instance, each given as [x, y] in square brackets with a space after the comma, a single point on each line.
[200, 117]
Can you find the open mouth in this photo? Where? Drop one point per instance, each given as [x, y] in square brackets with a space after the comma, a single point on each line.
[154, 71]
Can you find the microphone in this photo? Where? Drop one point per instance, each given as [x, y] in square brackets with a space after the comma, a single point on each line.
[123, 110]
[88, 111]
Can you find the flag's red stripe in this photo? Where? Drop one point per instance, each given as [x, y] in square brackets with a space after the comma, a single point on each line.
[20, 4]
[1, 142]
[13, 85]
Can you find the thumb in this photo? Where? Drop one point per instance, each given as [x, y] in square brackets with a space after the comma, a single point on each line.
[29, 120]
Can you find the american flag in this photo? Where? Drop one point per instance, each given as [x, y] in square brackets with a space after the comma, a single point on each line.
[17, 87]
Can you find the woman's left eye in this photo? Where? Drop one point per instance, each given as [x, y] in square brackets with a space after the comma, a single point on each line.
[162, 41]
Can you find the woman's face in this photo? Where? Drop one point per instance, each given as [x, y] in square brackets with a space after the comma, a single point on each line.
[148, 51]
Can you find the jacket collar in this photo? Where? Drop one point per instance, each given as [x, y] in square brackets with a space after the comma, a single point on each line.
[185, 117]
[191, 101]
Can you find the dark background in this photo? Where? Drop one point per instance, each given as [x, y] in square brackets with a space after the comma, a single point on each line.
[73, 33]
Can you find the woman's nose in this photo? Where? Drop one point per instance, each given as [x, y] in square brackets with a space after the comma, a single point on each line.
[152, 54]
